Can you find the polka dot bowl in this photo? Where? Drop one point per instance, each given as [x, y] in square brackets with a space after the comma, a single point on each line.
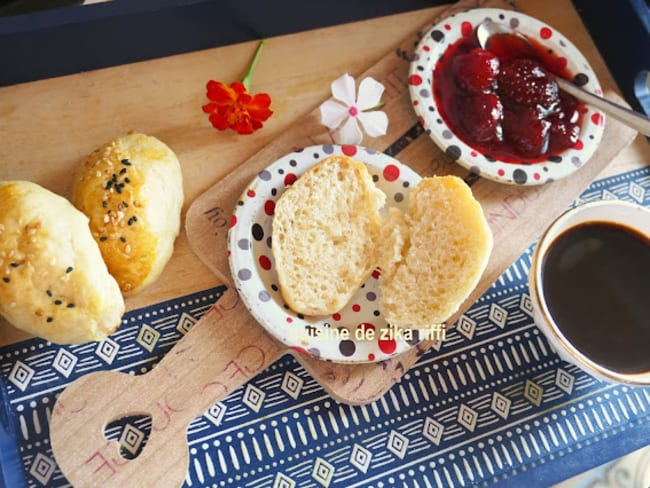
[433, 45]
[355, 334]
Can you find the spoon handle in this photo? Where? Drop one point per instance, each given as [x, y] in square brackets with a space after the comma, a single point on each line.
[629, 117]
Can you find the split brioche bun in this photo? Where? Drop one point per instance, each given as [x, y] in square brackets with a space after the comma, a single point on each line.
[323, 233]
[54, 283]
[329, 235]
[131, 189]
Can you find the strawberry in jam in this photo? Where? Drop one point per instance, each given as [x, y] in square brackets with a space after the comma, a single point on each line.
[503, 102]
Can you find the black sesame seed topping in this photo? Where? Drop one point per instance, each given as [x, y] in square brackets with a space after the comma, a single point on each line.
[132, 220]
[49, 319]
[125, 204]
[70, 305]
[57, 302]
[122, 171]
[126, 162]
[49, 293]
[5, 279]
[127, 180]
[14, 265]
[123, 239]
[114, 178]
[69, 269]
[118, 188]
[109, 183]
[104, 204]
[103, 238]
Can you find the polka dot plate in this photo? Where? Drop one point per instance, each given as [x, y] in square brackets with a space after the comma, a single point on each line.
[357, 333]
[434, 44]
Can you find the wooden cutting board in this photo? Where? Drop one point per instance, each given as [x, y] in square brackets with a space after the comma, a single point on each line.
[227, 347]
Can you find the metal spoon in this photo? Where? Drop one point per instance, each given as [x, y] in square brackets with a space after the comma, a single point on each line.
[633, 119]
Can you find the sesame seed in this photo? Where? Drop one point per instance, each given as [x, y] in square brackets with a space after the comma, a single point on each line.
[122, 171]
[49, 293]
[57, 302]
[125, 204]
[118, 188]
[14, 265]
[104, 204]
[5, 279]
[127, 180]
[123, 239]
[103, 238]
[70, 305]
[114, 178]
[130, 222]
[49, 319]
[69, 269]
[109, 183]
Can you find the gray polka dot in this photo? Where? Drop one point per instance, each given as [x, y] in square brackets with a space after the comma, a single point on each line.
[265, 175]
[514, 22]
[328, 149]
[264, 296]
[244, 244]
[371, 296]
[576, 161]
[347, 348]
[425, 93]
[446, 134]
[453, 152]
[399, 197]
[244, 274]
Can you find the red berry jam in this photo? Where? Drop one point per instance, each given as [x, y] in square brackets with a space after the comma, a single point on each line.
[503, 103]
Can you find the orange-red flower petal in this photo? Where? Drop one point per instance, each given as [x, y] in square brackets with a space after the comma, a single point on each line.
[232, 106]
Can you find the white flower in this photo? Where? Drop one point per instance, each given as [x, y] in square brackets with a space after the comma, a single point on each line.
[346, 113]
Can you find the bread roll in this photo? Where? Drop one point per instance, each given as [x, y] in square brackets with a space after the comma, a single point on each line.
[54, 282]
[131, 189]
[446, 243]
[323, 235]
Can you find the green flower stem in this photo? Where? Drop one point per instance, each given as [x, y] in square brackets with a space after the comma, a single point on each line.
[379, 105]
[246, 80]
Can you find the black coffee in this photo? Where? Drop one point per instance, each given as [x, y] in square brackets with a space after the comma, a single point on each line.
[596, 281]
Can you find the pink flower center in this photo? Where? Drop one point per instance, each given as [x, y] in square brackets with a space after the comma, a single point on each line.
[353, 111]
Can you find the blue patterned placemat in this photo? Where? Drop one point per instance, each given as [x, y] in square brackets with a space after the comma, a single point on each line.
[493, 405]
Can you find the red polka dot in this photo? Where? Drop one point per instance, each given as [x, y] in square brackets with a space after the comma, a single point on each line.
[447, 27]
[426, 48]
[597, 118]
[301, 350]
[376, 273]
[578, 145]
[366, 326]
[265, 262]
[466, 28]
[545, 33]
[562, 62]
[289, 320]
[501, 172]
[387, 346]
[415, 80]
[233, 221]
[473, 154]
[269, 207]
[290, 179]
[349, 150]
[250, 193]
[228, 253]
[356, 307]
[391, 172]
[336, 316]
[371, 357]
[537, 176]
[416, 103]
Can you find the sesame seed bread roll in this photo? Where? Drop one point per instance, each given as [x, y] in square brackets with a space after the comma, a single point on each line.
[446, 243]
[323, 234]
[131, 189]
[54, 282]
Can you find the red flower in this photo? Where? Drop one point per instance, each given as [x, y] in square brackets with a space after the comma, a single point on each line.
[233, 106]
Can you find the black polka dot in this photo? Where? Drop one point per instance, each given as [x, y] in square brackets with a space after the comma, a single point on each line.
[258, 232]
[453, 152]
[438, 36]
[581, 79]
[519, 176]
[347, 348]
[555, 159]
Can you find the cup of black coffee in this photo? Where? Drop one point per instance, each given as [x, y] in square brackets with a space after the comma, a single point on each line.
[590, 287]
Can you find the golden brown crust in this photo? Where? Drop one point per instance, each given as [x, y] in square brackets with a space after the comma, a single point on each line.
[113, 188]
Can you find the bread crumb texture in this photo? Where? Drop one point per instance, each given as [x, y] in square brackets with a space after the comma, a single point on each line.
[54, 283]
[446, 243]
[131, 190]
[323, 235]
